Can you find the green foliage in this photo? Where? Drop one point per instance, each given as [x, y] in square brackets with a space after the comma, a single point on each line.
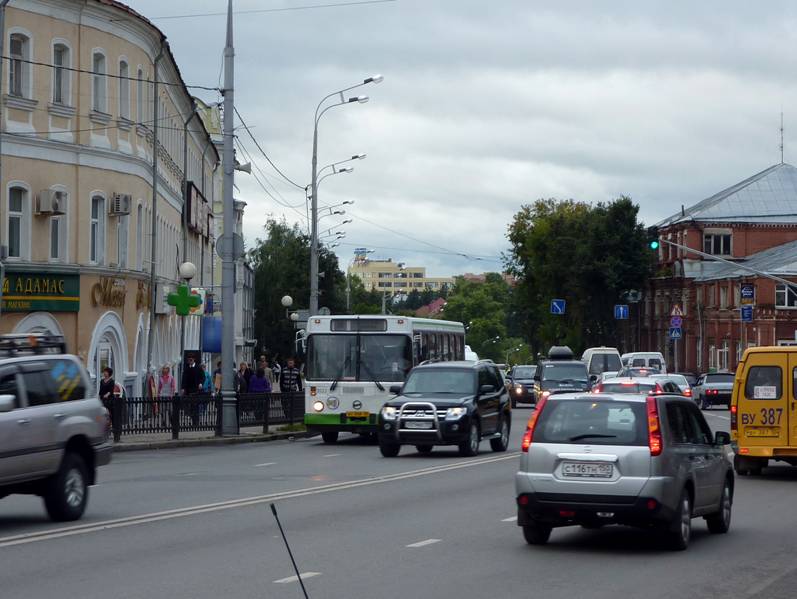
[588, 255]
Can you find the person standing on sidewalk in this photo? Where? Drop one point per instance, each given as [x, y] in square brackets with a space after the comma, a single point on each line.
[290, 378]
[167, 389]
[191, 386]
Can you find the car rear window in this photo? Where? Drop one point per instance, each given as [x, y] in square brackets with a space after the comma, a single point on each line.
[596, 422]
[764, 382]
[627, 388]
[720, 378]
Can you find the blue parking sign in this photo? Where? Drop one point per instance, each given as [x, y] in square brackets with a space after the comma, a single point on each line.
[558, 306]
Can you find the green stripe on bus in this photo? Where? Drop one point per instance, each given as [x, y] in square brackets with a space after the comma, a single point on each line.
[322, 419]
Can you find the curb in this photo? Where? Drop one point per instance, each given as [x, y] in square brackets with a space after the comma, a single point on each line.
[210, 441]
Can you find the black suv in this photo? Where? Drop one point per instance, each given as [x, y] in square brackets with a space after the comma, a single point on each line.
[447, 403]
[521, 387]
[560, 373]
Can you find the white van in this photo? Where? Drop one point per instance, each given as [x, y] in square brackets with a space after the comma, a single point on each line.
[645, 359]
[601, 359]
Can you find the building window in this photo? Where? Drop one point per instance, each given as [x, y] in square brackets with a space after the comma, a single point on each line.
[97, 250]
[99, 80]
[124, 90]
[121, 241]
[785, 298]
[61, 77]
[722, 356]
[723, 297]
[139, 237]
[718, 244]
[140, 95]
[712, 354]
[59, 234]
[19, 69]
[738, 351]
[18, 222]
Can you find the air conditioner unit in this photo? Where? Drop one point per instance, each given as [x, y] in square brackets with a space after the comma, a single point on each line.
[120, 204]
[51, 202]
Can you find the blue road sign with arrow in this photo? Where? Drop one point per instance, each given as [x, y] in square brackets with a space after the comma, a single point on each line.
[621, 311]
[558, 306]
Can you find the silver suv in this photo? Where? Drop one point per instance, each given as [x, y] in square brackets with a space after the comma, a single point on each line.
[646, 461]
[54, 431]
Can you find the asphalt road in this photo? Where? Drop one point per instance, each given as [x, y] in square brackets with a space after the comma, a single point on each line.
[195, 523]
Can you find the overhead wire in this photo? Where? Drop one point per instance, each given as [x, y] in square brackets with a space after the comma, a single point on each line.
[271, 10]
[418, 250]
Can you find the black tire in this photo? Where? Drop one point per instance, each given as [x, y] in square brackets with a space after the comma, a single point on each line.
[425, 449]
[389, 450]
[514, 403]
[502, 443]
[720, 522]
[67, 491]
[470, 446]
[680, 530]
[330, 437]
[536, 533]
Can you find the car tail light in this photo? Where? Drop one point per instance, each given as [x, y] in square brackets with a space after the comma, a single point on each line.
[529, 434]
[651, 504]
[628, 383]
[734, 422]
[654, 427]
[523, 500]
[567, 514]
[658, 389]
[688, 393]
[598, 388]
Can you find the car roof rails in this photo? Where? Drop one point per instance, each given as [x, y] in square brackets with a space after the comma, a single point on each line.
[33, 343]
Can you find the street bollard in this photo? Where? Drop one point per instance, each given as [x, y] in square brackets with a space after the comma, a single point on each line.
[176, 400]
[116, 417]
[267, 412]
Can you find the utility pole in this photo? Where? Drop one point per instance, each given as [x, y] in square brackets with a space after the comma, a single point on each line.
[314, 226]
[229, 421]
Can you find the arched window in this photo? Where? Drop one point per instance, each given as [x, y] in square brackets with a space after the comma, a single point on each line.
[62, 61]
[99, 77]
[18, 231]
[124, 89]
[19, 49]
[97, 241]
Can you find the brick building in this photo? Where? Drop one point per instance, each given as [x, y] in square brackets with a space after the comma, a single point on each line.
[752, 223]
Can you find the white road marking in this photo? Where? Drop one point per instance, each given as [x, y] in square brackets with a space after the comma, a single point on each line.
[332, 455]
[263, 465]
[510, 519]
[304, 575]
[423, 543]
[78, 529]
[190, 474]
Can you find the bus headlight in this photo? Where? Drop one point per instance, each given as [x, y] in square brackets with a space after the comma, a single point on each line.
[389, 413]
[318, 406]
[454, 413]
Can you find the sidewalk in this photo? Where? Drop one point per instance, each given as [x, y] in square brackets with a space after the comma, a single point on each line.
[252, 434]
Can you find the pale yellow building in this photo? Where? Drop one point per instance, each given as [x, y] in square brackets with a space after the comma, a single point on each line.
[76, 200]
[394, 277]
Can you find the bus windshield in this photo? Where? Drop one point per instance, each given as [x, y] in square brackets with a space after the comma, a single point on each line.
[352, 357]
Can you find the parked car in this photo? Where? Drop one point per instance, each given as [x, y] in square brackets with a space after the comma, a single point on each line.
[54, 431]
[560, 373]
[447, 403]
[713, 389]
[678, 379]
[521, 388]
[645, 461]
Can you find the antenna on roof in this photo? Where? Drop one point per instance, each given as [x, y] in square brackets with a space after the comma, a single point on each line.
[781, 137]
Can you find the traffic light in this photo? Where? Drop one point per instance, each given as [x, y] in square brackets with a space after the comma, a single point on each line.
[653, 238]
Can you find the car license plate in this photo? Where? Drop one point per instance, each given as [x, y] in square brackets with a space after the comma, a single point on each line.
[587, 469]
[422, 424]
[357, 414]
[762, 431]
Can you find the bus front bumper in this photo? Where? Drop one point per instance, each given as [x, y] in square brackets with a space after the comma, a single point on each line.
[340, 422]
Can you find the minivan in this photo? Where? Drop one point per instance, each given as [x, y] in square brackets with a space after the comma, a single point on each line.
[645, 359]
[600, 360]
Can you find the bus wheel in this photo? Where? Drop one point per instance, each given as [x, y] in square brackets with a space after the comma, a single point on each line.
[330, 437]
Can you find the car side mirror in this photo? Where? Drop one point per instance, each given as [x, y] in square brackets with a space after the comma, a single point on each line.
[537, 377]
[593, 378]
[722, 438]
[484, 389]
[395, 389]
[7, 403]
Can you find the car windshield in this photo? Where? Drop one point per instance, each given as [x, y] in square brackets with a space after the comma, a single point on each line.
[593, 422]
[354, 357]
[627, 387]
[523, 372]
[720, 378]
[430, 381]
[564, 372]
[604, 362]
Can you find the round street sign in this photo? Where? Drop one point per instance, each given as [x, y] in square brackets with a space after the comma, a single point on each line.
[676, 321]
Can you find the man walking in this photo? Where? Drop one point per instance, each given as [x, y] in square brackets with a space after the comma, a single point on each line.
[290, 378]
[191, 385]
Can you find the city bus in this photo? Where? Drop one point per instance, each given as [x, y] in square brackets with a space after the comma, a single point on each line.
[352, 361]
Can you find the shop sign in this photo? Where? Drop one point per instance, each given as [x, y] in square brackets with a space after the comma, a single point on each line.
[46, 292]
[109, 292]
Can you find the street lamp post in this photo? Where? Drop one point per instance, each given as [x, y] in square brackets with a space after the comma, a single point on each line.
[314, 181]
[187, 271]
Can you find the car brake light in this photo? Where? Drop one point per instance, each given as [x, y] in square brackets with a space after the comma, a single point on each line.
[688, 393]
[598, 388]
[658, 389]
[628, 383]
[654, 428]
[529, 434]
[734, 424]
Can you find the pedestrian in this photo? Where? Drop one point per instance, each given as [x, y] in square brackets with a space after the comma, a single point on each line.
[259, 383]
[167, 389]
[264, 365]
[106, 384]
[276, 368]
[191, 386]
[290, 378]
[207, 389]
[241, 383]
[217, 377]
[248, 372]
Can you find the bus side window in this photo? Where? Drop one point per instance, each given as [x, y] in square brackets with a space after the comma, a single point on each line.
[444, 347]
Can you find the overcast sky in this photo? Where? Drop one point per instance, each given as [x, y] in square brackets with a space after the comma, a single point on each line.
[490, 104]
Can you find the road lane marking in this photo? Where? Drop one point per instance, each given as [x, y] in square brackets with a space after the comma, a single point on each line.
[263, 465]
[510, 519]
[68, 531]
[331, 455]
[189, 474]
[423, 543]
[304, 575]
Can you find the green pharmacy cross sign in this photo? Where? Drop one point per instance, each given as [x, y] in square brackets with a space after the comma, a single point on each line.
[183, 300]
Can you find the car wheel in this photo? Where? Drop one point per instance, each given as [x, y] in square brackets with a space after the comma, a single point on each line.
[536, 533]
[514, 403]
[424, 448]
[67, 491]
[720, 522]
[502, 442]
[330, 437]
[389, 450]
[470, 446]
[681, 526]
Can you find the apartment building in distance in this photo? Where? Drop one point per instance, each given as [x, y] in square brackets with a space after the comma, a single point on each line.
[384, 275]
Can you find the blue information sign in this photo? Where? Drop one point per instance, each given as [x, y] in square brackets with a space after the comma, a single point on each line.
[747, 313]
[747, 293]
[558, 306]
[621, 311]
[675, 332]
